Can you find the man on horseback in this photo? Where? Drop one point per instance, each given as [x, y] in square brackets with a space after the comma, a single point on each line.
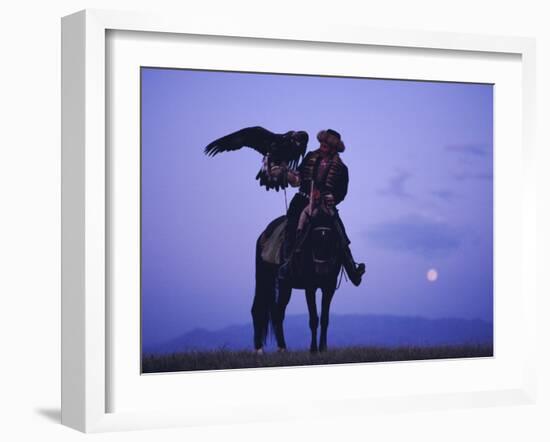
[322, 178]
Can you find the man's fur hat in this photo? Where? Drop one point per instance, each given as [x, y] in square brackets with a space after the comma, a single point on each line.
[332, 138]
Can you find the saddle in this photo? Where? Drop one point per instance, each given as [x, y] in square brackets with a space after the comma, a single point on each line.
[320, 259]
[273, 240]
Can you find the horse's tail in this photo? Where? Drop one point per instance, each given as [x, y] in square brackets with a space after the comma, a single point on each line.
[263, 307]
[264, 297]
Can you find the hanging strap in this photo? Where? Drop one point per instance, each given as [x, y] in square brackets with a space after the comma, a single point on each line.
[342, 274]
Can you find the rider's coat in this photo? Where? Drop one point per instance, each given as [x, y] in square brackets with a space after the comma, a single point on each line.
[330, 175]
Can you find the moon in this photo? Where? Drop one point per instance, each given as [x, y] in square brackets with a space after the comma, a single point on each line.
[432, 275]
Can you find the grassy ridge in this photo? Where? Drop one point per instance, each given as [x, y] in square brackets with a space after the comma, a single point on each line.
[225, 359]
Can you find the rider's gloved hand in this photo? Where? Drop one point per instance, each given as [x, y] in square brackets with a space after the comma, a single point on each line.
[275, 171]
[293, 177]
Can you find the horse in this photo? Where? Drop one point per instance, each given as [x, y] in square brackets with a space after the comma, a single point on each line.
[315, 264]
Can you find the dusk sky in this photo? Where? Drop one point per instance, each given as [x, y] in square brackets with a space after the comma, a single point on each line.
[420, 158]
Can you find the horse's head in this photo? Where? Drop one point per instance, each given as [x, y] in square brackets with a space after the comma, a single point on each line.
[324, 245]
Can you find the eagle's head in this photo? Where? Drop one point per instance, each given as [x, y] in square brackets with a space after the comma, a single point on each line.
[299, 140]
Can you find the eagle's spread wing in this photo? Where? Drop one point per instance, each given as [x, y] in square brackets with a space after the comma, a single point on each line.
[284, 150]
[255, 137]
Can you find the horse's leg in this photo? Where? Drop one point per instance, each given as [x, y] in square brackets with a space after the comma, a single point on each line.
[283, 298]
[325, 309]
[260, 320]
[313, 318]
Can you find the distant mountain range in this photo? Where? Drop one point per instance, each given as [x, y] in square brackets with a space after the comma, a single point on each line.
[344, 331]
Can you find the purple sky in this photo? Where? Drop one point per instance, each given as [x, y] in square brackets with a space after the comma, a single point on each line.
[420, 196]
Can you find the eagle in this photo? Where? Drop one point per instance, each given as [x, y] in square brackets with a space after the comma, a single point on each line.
[279, 150]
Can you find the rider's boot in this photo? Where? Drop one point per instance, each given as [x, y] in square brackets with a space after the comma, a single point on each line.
[354, 271]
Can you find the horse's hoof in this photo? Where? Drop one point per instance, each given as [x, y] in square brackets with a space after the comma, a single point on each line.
[313, 351]
[281, 350]
[259, 351]
[322, 349]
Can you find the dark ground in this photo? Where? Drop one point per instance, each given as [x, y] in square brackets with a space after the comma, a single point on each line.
[227, 359]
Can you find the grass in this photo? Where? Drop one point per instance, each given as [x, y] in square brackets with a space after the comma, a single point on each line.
[226, 359]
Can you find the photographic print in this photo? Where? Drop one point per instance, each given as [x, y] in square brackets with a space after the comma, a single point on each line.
[296, 220]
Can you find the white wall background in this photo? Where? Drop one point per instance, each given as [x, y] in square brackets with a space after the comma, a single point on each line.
[30, 216]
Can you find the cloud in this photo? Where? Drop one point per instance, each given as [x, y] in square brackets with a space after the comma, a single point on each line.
[396, 186]
[474, 156]
[477, 150]
[417, 235]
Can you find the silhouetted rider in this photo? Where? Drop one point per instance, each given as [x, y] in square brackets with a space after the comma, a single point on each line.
[323, 179]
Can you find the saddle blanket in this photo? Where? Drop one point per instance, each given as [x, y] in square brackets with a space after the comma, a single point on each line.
[271, 250]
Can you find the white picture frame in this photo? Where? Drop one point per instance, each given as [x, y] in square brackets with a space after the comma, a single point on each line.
[86, 204]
